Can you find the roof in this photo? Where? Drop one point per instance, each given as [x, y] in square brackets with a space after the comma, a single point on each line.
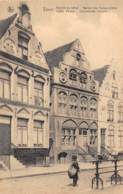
[5, 23]
[53, 57]
[100, 73]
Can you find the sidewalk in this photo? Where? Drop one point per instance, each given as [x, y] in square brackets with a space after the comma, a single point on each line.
[52, 169]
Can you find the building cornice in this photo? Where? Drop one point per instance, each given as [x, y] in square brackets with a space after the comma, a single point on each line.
[22, 61]
[16, 103]
[73, 88]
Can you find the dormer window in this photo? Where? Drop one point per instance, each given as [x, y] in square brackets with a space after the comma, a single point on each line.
[23, 40]
[83, 78]
[78, 57]
[73, 74]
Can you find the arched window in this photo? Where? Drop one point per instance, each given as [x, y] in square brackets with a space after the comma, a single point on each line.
[83, 78]
[84, 105]
[5, 81]
[73, 74]
[93, 108]
[110, 111]
[62, 101]
[69, 132]
[73, 104]
[39, 91]
[111, 136]
[83, 129]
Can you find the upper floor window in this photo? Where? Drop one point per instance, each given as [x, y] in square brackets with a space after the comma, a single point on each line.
[114, 92]
[39, 93]
[5, 84]
[23, 41]
[62, 100]
[84, 104]
[73, 104]
[110, 111]
[93, 108]
[78, 56]
[22, 89]
[114, 75]
[73, 74]
[83, 78]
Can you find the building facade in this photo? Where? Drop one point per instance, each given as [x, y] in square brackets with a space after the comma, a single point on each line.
[24, 92]
[74, 102]
[110, 109]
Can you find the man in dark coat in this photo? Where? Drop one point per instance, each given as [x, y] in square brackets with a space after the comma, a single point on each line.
[76, 166]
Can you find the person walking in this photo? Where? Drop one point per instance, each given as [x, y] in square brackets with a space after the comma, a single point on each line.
[73, 170]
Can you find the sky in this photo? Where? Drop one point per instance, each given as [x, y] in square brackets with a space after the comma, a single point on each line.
[100, 33]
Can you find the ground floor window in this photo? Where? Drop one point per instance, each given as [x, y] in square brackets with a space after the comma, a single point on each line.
[120, 138]
[38, 133]
[93, 136]
[111, 137]
[22, 129]
[68, 136]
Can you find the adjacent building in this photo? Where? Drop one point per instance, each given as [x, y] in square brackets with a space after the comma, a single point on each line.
[74, 103]
[24, 92]
[110, 109]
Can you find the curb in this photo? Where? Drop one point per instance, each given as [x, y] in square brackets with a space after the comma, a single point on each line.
[46, 173]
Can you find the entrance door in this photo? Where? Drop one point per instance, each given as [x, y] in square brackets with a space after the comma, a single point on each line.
[83, 138]
[5, 135]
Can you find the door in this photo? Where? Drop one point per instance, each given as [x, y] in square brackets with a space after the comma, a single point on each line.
[5, 135]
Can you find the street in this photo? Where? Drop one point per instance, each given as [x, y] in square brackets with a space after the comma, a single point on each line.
[57, 184]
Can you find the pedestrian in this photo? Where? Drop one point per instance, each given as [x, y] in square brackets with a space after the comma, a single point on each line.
[73, 170]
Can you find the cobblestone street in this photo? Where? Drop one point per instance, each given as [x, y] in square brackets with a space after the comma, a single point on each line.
[57, 184]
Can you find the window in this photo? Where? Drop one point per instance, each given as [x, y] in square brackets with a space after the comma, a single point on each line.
[22, 89]
[84, 106]
[114, 92]
[121, 138]
[111, 136]
[73, 105]
[68, 136]
[83, 78]
[114, 75]
[62, 102]
[69, 133]
[110, 111]
[120, 112]
[78, 56]
[73, 74]
[93, 136]
[93, 108]
[39, 93]
[22, 129]
[5, 86]
[23, 41]
[38, 133]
